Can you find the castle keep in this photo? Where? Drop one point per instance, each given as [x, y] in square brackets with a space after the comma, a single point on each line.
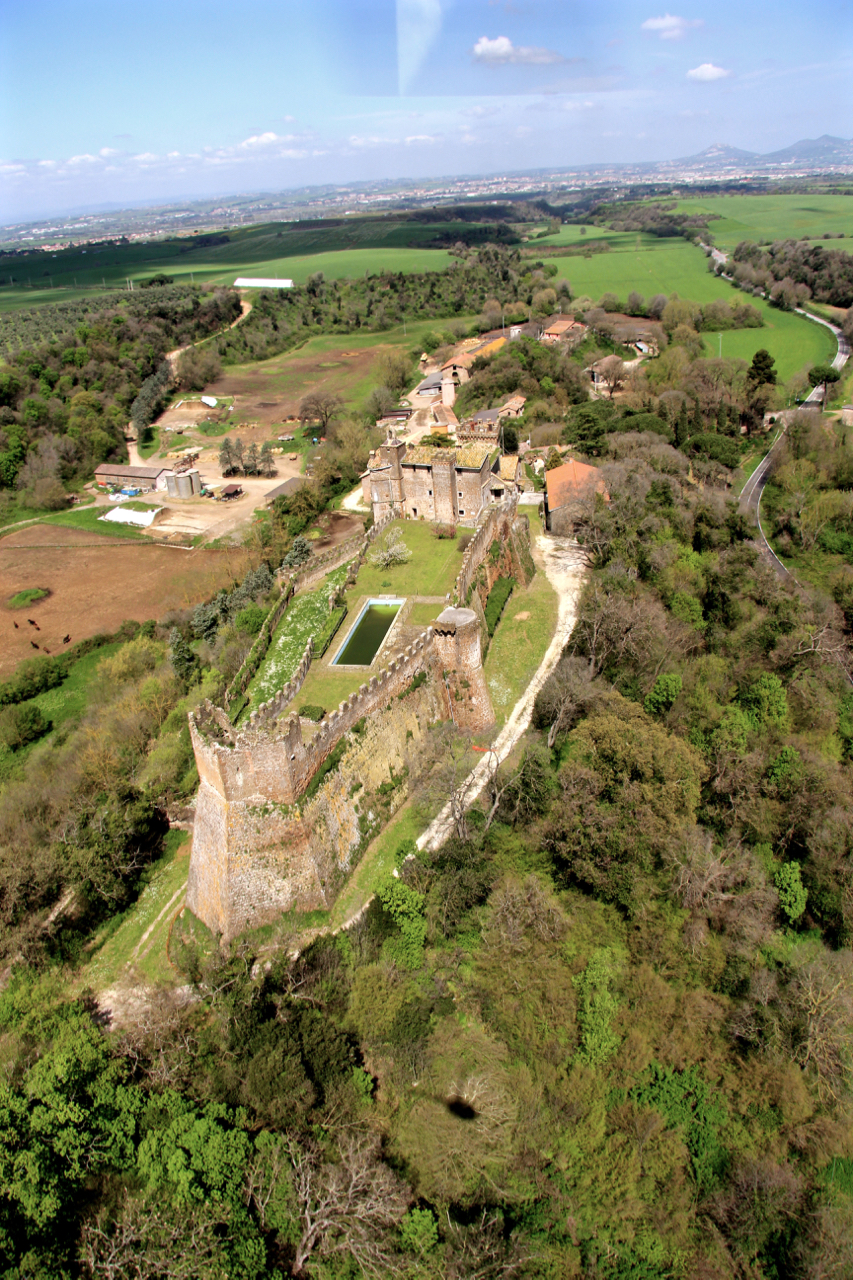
[266, 838]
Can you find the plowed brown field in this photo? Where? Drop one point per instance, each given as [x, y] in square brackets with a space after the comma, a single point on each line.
[96, 585]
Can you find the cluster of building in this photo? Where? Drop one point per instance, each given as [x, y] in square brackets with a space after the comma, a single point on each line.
[444, 485]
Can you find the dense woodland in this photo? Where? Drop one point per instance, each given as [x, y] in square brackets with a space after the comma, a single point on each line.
[605, 1031]
[76, 373]
[791, 272]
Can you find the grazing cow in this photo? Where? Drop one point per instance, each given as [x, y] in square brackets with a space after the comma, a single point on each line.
[66, 639]
[33, 643]
[15, 625]
[33, 624]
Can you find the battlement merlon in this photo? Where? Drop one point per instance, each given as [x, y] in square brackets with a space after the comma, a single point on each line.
[253, 764]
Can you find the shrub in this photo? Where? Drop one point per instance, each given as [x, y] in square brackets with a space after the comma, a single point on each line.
[21, 724]
[663, 695]
[792, 892]
[311, 711]
[250, 620]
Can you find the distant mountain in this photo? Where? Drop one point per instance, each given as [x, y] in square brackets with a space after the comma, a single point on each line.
[814, 151]
[717, 155]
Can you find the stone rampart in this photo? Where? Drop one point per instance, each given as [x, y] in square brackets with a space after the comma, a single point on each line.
[496, 525]
[253, 859]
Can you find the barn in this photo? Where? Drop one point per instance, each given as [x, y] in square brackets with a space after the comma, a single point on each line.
[113, 473]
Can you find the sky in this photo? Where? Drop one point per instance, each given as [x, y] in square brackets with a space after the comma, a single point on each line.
[118, 101]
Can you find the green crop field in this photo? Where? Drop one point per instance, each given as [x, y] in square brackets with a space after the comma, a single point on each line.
[290, 250]
[674, 266]
[771, 217]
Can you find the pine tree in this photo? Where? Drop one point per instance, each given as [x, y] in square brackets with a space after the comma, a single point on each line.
[722, 418]
[252, 462]
[681, 427]
[267, 460]
[226, 456]
[238, 456]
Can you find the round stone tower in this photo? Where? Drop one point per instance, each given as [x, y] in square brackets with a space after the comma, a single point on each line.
[459, 657]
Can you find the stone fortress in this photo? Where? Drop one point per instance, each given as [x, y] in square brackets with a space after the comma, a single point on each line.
[267, 838]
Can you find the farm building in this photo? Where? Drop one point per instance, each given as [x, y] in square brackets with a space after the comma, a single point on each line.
[439, 484]
[286, 489]
[568, 492]
[113, 473]
[261, 282]
[561, 327]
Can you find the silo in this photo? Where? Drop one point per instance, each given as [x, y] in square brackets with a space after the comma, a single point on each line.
[171, 484]
[185, 486]
[195, 480]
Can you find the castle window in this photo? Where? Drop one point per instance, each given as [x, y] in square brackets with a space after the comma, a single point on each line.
[430, 492]
[414, 511]
[461, 511]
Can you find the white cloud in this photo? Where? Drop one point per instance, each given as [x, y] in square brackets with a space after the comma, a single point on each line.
[501, 50]
[671, 27]
[707, 71]
[416, 138]
[84, 159]
[108, 153]
[261, 140]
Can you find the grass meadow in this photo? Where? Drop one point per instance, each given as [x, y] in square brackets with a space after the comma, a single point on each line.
[290, 250]
[770, 217]
[674, 266]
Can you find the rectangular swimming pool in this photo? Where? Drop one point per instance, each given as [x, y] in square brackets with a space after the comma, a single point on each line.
[367, 633]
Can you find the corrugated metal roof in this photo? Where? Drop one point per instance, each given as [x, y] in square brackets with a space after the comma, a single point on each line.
[129, 473]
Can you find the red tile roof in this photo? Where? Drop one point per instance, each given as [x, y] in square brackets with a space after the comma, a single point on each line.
[571, 481]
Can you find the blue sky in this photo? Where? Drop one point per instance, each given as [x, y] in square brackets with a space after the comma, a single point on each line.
[118, 101]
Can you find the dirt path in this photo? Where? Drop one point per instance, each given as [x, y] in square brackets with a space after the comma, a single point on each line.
[565, 569]
[173, 356]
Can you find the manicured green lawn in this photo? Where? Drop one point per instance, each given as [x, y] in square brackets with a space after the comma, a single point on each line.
[327, 686]
[431, 571]
[421, 615]
[519, 644]
[88, 518]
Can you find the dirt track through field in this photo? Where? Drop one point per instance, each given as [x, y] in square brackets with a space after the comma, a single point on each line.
[96, 585]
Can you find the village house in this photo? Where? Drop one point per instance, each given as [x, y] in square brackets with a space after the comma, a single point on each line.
[443, 485]
[569, 490]
[507, 473]
[513, 407]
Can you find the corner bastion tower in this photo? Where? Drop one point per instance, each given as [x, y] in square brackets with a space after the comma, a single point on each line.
[267, 838]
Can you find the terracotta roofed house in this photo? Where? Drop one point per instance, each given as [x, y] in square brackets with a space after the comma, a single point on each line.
[568, 490]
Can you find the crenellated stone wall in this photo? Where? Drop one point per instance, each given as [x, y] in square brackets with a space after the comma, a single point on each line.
[266, 837]
[257, 847]
[496, 525]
